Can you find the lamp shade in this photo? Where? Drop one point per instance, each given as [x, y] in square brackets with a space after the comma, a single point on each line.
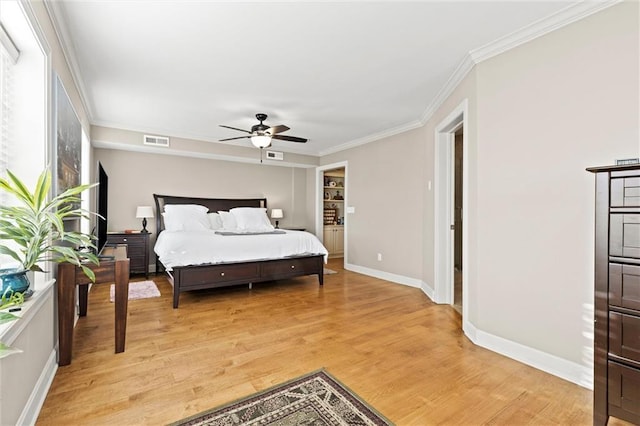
[276, 214]
[144, 212]
[261, 141]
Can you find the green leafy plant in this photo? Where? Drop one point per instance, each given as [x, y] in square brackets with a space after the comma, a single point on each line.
[36, 228]
[36, 225]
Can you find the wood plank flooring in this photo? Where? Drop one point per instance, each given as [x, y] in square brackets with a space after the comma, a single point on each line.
[403, 354]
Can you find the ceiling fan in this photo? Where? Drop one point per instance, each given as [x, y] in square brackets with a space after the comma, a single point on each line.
[262, 134]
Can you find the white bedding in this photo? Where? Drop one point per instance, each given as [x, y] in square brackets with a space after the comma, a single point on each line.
[181, 248]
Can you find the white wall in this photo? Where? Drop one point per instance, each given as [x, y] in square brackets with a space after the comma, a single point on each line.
[134, 177]
[539, 114]
[385, 186]
[546, 111]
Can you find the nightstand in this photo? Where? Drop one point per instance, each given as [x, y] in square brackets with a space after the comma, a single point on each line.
[137, 250]
[293, 228]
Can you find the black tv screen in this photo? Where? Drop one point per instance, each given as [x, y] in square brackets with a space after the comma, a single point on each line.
[102, 210]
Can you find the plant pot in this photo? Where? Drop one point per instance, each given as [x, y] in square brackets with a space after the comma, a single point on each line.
[14, 278]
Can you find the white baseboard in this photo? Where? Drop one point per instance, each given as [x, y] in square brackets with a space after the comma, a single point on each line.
[581, 375]
[428, 291]
[36, 399]
[399, 279]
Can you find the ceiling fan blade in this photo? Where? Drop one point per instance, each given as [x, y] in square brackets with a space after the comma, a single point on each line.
[230, 139]
[277, 129]
[288, 138]
[234, 128]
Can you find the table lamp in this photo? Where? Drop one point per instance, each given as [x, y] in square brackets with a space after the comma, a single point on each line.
[144, 212]
[276, 214]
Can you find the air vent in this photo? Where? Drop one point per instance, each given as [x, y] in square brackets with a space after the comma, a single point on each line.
[162, 141]
[275, 155]
[626, 161]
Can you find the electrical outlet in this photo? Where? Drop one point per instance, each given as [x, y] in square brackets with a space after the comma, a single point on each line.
[379, 257]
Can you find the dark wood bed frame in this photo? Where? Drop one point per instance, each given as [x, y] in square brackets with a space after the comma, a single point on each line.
[196, 277]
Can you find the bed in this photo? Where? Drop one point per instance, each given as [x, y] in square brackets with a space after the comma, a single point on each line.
[290, 253]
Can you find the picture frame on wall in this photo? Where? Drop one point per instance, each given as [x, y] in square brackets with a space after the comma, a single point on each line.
[67, 152]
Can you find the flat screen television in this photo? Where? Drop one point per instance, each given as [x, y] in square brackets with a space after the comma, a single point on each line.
[102, 207]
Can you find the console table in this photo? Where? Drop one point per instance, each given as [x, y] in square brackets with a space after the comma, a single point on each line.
[114, 269]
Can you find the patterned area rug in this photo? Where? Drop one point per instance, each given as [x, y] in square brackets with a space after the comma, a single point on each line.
[315, 399]
[138, 290]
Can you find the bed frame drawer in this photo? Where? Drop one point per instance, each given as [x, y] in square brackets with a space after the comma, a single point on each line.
[284, 268]
[223, 274]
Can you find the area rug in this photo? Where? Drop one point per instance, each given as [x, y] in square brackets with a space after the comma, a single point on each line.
[316, 399]
[138, 290]
[328, 271]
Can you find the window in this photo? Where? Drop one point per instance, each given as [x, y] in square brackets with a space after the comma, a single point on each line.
[25, 76]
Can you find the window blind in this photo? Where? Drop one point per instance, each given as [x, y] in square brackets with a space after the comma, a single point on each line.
[8, 57]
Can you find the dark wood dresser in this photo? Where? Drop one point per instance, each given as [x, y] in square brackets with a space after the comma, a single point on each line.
[137, 249]
[616, 366]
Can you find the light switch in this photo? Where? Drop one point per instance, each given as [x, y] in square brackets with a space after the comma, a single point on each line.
[351, 209]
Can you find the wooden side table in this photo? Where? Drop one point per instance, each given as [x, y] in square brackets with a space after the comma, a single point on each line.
[113, 270]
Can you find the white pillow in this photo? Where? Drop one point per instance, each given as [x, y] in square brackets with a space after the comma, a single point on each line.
[215, 221]
[183, 207]
[252, 219]
[228, 221]
[186, 220]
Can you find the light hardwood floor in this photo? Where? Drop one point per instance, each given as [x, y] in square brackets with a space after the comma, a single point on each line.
[403, 354]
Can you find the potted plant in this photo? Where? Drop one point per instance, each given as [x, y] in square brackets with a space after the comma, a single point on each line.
[33, 231]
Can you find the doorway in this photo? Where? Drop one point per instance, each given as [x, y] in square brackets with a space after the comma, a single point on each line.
[332, 194]
[451, 244]
[334, 211]
[458, 154]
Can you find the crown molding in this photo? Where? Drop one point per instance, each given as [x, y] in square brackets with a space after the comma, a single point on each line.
[521, 36]
[557, 20]
[373, 137]
[194, 154]
[54, 9]
[461, 71]
[191, 136]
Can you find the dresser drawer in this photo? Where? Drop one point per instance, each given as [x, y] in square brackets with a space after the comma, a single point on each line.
[137, 264]
[625, 235]
[130, 240]
[624, 336]
[625, 192]
[624, 286]
[624, 392]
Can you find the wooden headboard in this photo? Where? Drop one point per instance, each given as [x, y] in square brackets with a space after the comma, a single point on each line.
[213, 204]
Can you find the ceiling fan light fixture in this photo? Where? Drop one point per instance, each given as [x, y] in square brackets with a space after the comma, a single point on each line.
[261, 141]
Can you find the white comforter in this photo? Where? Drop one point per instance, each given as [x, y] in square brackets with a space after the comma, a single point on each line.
[181, 248]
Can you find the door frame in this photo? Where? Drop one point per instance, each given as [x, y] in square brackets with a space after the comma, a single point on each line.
[319, 196]
[444, 207]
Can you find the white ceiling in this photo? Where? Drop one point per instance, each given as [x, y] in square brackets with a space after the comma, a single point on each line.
[335, 72]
